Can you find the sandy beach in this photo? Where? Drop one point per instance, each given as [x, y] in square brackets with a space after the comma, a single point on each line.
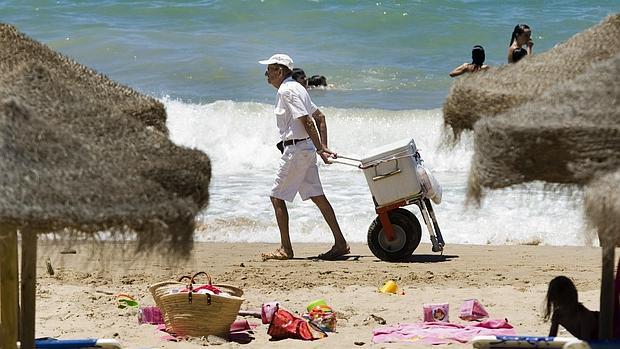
[510, 281]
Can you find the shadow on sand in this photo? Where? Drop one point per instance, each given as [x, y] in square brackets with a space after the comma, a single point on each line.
[415, 258]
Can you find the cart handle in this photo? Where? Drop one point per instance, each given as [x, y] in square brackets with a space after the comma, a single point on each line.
[416, 156]
[350, 164]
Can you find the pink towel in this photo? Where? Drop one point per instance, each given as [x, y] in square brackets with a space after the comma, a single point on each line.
[441, 332]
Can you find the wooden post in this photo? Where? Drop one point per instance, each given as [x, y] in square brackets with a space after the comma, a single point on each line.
[8, 279]
[606, 317]
[29, 280]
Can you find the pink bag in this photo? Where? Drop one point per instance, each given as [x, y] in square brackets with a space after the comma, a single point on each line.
[267, 310]
[436, 312]
[472, 310]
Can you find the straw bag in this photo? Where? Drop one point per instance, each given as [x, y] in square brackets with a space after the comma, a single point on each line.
[187, 313]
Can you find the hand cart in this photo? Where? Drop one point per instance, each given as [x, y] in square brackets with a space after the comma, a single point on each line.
[396, 179]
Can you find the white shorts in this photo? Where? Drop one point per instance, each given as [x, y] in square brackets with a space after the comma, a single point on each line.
[298, 173]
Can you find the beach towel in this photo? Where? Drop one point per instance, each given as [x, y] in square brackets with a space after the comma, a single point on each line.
[441, 332]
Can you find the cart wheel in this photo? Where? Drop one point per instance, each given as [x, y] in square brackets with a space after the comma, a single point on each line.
[407, 235]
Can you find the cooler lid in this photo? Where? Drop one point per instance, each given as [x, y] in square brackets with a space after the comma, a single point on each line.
[399, 148]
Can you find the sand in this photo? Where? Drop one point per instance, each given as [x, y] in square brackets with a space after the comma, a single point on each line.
[510, 281]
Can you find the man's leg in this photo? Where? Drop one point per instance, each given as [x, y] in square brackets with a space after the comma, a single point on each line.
[340, 247]
[286, 249]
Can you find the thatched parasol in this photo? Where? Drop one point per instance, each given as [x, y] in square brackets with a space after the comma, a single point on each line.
[184, 171]
[493, 92]
[569, 135]
[54, 85]
[602, 204]
[566, 136]
[17, 48]
[54, 179]
[96, 157]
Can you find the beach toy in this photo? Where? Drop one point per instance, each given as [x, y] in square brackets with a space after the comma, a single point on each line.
[321, 315]
[267, 310]
[326, 321]
[319, 311]
[316, 303]
[436, 312]
[389, 287]
[124, 300]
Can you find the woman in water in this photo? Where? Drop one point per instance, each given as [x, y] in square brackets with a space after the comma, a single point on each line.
[517, 54]
[477, 63]
[521, 36]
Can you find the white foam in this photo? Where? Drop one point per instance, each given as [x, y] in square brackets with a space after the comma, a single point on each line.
[240, 140]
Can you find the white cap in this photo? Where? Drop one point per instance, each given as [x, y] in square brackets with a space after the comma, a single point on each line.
[279, 58]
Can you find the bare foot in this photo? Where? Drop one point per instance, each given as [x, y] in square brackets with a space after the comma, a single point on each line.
[335, 253]
[279, 254]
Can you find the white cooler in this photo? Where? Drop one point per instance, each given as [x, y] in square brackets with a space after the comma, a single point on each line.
[391, 174]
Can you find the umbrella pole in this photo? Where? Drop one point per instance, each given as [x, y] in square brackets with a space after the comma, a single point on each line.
[29, 277]
[606, 320]
[8, 284]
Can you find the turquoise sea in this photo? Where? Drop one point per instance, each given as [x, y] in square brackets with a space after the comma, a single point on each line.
[387, 63]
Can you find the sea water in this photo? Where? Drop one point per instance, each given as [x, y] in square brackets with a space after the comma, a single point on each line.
[387, 63]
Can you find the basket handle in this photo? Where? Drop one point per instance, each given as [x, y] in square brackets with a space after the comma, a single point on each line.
[185, 277]
[201, 273]
[190, 285]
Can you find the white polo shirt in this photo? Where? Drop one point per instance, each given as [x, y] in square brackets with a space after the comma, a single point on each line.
[292, 102]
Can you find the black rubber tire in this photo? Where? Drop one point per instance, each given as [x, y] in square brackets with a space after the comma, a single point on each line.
[407, 231]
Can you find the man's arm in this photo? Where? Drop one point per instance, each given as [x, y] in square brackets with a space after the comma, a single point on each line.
[319, 119]
[322, 150]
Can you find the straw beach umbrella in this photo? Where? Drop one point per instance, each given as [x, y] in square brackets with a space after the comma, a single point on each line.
[569, 135]
[53, 179]
[18, 49]
[53, 84]
[566, 136]
[184, 171]
[493, 92]
[81, 152]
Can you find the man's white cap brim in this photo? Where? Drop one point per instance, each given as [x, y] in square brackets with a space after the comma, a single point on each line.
[279, 58]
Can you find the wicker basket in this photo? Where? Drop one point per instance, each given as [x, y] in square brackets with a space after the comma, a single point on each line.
[194, 314]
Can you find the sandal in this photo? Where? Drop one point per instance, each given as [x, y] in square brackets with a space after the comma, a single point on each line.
[278, 254]
[334, 254]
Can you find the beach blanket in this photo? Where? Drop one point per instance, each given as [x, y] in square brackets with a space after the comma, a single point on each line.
[441, 332]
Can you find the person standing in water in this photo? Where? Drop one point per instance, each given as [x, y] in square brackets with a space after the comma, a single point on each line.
[521, 36]
[298, 171]
[300, 76]
[477, 63]
[517, 54]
